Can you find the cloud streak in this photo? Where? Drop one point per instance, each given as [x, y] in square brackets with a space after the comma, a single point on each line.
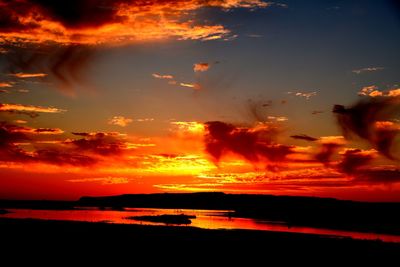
[191, 85]
[29, 110]
[304, 137]
[28, 75]
[365, 70]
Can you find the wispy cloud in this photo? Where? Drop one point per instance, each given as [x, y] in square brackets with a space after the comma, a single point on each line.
[28, 75]
[29, 108]
[145, 120]
[162, 76]
[191, 85]
[254, 35]
[316, 112]
[110, 180]
[5, 84]
[277, 119]
[369, 69]
[20, 121]
[29, 130]
[120, 121]
[306, 95]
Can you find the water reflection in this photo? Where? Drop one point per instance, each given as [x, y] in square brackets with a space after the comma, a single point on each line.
[208, 219]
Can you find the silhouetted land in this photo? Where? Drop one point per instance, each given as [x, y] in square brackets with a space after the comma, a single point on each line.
[3, 212]
[229, 244]
[297, 211]
[165, 218]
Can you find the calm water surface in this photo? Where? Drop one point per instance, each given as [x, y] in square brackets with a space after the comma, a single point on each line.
[208, 219]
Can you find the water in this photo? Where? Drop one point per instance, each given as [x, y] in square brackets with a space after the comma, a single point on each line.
[208, 219]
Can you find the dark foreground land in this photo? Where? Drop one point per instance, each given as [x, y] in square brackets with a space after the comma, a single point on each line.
[71, 237]
[315, 212]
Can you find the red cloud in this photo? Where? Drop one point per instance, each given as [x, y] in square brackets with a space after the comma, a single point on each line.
[254, 144]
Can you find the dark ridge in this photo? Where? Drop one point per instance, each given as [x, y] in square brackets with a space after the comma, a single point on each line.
[37, 204]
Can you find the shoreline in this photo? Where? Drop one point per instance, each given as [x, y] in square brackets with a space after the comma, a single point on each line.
[30, 228]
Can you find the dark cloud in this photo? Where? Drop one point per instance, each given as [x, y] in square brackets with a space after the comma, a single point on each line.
[81, 134]
[254, 144]
[304, 137]
[316, 112]
[57, 156]
[357, 163]
[326, 152]
[353, 160]
[371, 120]
[257, 109]
[78, 13]
[99, 143]
[65, 64]
[79, 152]
[8, 139]
[377, 176]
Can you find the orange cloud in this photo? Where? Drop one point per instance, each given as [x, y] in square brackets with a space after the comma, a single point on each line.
[97, 22]
[188, 127]
[370, 91]
[120, 121]
[28, 75]
[373, 91]
[5, 84]
[28, 108]
[201, 67]
[394, 92]
[20, 121]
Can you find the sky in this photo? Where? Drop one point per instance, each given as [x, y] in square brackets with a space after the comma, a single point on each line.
[103, 97]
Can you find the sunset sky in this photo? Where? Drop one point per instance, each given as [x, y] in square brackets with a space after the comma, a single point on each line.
[103, 97]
